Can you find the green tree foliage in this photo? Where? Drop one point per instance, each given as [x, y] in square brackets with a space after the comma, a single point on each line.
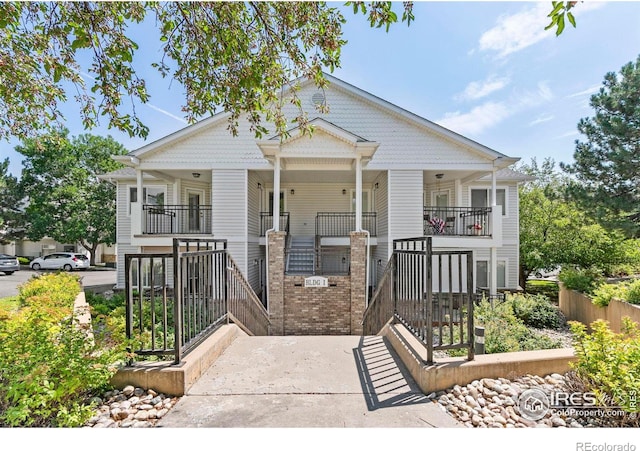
[232, 56]
[560, 11]
[11, 215]
[555, 231]
[66, 200]
[607, 162]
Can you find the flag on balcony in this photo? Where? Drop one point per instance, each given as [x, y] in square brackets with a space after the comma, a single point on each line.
[437, 224]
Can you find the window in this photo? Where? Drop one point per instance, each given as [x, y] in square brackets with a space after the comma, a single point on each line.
[482, 198]
[153, 195]
[365, 201]
[482, 274]
[282, 206]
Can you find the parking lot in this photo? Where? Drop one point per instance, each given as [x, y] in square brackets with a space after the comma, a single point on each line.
[90, 278]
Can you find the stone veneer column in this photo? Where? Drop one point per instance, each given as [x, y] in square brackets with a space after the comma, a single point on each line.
[358, 280]
[275, 274]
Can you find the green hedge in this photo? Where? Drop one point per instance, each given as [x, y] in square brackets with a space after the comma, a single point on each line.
[50, 367]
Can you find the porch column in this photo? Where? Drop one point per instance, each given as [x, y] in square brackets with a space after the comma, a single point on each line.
[136, 208]
[493, 271]
[276, 194]
[358, 194]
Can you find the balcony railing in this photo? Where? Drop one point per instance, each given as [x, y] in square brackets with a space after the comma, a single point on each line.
[457, 221]
[333, 224]
[266, 222]
[176, 219]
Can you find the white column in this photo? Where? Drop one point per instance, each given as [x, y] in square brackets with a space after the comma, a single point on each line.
[276, 195]
[493, 270]
[494, 197]
[358, 194]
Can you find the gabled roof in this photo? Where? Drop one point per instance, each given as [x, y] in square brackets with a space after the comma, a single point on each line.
[501, 160]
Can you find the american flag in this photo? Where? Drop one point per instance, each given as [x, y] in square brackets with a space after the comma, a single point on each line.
[437, 224]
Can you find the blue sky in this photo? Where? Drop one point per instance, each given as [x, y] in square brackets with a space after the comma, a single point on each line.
[487, 70]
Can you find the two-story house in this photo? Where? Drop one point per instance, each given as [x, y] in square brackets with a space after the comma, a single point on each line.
[369, 167]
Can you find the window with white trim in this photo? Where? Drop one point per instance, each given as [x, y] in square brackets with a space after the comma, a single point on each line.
[482, 273]
[152, 195]
[481, 197]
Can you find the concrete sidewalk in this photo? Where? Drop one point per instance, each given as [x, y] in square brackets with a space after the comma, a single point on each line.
[307, 381]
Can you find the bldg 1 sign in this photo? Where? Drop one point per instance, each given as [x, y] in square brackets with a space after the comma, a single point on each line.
[316, 282]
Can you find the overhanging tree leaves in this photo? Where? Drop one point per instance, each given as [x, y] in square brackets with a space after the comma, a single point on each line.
[607, 162]
[66, 200]
[233, 56]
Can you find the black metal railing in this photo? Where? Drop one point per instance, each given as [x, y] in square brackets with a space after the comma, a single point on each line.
[430, 293]
[457, 221]
[323, 260]
[266, 222]
[381, 309]
[176, 219]
[176, 300]
[336, 224]
[244, 306]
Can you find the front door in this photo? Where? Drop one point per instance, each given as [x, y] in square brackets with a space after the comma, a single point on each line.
[194, 212]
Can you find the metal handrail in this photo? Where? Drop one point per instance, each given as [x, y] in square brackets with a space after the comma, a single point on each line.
[266, 222]
[176, 219]
[457, 221]
[244, 305]
[341, 224]
[174, 301]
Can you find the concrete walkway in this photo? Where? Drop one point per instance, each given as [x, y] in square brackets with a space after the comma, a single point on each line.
[306, 381]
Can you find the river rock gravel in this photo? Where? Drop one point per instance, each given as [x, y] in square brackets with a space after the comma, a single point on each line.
[131, 407]
[496, 403]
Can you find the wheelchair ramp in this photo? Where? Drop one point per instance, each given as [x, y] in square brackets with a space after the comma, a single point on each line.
[307, 381]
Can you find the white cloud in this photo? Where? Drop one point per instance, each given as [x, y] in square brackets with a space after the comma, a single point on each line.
[165, 112]
[541, 119]
[478, 89]
[586, 92]
[518, 31]
[478, 119]
[491, 113]
[568, 134]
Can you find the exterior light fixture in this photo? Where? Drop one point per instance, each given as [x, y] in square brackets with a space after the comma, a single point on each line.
[344, 191]
[292, 192]
[196, 175]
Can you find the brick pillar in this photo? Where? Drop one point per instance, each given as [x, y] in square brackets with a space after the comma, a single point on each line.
[275, 274]
[358, 280]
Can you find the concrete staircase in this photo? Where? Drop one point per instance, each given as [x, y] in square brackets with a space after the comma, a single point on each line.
[301, 255]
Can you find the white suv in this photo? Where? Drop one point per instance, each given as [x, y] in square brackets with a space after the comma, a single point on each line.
[66, 261]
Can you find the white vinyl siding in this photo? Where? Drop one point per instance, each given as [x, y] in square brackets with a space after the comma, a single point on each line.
[309, 199]
[381, 251]
[405, 204]
[229, 211]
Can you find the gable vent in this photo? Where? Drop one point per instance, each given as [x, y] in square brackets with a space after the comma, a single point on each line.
[318, 98]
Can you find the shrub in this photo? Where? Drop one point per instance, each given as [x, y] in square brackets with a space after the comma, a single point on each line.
[633, 292]
[607, 362]
[536, 311]
[23, 260]
[548, 288]
[605, 292]
[101, 305]
[505, 332]
[583, 280]
[49, 366]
